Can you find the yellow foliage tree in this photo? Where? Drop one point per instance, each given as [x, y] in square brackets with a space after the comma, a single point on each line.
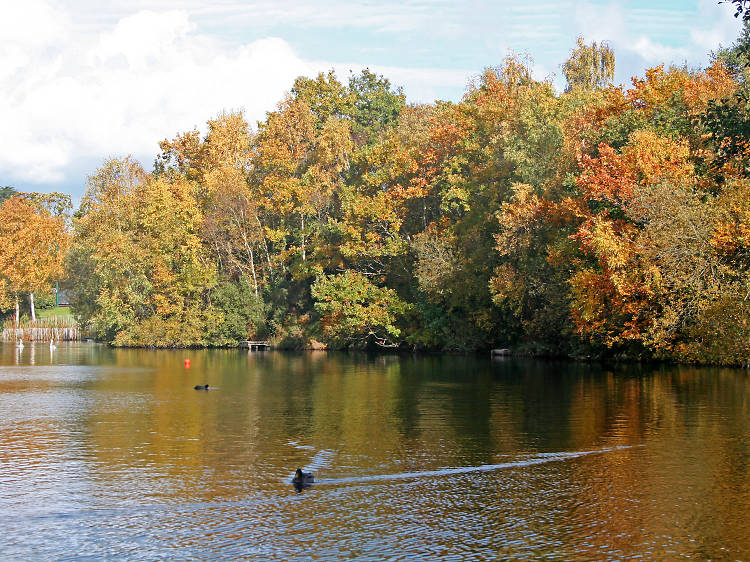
[589, 66]
[142, 267]
[32, 248]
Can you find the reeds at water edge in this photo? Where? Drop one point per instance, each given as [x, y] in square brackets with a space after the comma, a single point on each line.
[42, 329]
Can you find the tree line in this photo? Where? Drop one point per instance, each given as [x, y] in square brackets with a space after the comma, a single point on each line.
[602, 221]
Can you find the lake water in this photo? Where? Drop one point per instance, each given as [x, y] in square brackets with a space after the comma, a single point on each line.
[112, 454]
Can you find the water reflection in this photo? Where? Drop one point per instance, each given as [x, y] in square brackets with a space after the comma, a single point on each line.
[112, 453]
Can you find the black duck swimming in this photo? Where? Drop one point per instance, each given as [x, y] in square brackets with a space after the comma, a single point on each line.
[302, 479]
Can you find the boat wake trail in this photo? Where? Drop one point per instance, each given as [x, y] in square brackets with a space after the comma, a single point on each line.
[541, 458]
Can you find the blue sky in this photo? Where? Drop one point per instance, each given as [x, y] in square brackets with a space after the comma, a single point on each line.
[80, 82]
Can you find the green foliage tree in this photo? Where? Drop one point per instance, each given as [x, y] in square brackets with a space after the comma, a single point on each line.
[6, 192]
[355, 312]
[241, 313]
[375, 105]
[728, 124]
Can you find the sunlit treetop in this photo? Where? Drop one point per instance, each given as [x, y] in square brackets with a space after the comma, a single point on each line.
[589, 66]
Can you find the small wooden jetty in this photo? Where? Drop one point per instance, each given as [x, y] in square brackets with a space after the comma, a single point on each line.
[500, 353]
[255, 345]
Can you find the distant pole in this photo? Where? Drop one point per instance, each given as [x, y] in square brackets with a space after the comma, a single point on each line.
[57, 294]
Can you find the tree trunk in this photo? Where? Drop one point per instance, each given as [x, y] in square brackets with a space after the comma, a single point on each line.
[265, 246]
[31, 304]
[252, 266]
[18, 313]
[249, 250]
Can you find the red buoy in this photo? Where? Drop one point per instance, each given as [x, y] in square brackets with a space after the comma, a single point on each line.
[187, 363]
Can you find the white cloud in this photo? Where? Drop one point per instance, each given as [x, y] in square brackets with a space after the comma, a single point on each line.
[144, 38]
[147, 78]
[30, 31]
[32, 23]
[654, 52]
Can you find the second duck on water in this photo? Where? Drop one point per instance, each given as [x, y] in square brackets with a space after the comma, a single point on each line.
[201, 387]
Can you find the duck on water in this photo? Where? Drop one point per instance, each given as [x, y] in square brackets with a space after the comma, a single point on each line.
[201, 387]
[302, 479]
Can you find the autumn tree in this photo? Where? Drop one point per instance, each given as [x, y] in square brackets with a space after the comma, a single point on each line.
[657, 275]
[54, 203]
[507, 131]
[137, 245]
[235, 218]
[33, 244]
[589, 66]
[220, 164]
[298, 174]
[377, 200]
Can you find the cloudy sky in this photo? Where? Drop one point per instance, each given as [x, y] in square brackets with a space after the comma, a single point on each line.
[80, 82]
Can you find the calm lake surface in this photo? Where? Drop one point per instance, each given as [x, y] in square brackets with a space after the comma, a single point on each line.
[111, 454]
